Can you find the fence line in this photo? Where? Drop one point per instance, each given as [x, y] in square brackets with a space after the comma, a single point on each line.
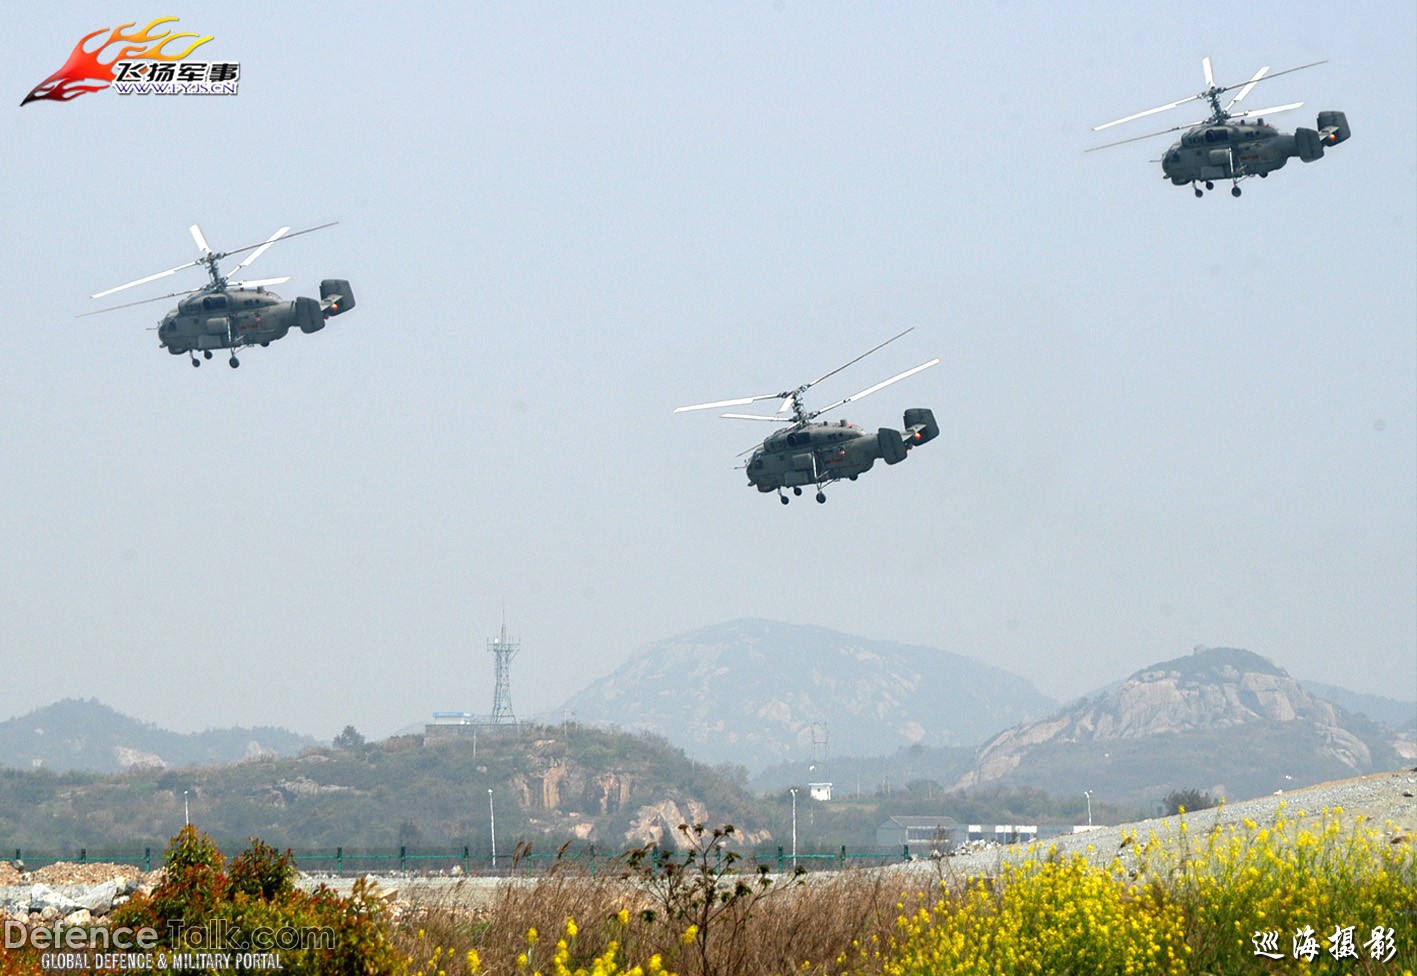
[339, 861]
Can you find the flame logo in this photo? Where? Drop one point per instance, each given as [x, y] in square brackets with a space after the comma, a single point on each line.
[85, 72]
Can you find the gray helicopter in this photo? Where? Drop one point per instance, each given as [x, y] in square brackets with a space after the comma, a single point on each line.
[227, 314]
[807, 453]
[1236, 145]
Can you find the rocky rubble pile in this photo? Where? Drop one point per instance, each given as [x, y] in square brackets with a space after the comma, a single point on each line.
[71, 894]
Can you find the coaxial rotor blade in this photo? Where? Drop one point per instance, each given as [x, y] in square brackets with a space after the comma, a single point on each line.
[271, 240]
[754, 416]
[145, 301]
[1209, 75]
[1149, 135]
[729, 403]
[261, 250]
[151, 277]
[200, 238]
[1150, 111]
[1268, 111]
[872, 389]
[1256, 81]
[1245, 90]
[257, 282]
[1210, 90]
[808, 386]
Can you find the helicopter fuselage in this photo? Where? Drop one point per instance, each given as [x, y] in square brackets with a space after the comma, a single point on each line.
[233, 317]
[1239, 148]
[820, 453]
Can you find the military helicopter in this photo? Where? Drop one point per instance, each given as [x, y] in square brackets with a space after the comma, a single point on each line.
[1236, 145]
[227, 314]
[805, 453]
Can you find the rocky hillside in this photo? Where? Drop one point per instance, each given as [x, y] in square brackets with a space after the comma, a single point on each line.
[87, 735]
[749, 692]
[546, 785]
[1221, 719]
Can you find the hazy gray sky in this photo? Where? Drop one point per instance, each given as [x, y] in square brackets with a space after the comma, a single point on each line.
[1167, 421]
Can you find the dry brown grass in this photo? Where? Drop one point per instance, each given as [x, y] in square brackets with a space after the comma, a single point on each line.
[814, 921]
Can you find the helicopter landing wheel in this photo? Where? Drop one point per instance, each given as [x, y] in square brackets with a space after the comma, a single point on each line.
[1209, 185]
[821, 498]
[206, 354]
[796, 491]
[196, 361]
[1234, 191]
[784, 499]
[1200, 192]
[234, 362]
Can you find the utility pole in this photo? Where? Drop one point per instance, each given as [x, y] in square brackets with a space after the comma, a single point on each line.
[794, 828]
[492, 819]
[186, 811]
[1088, 794]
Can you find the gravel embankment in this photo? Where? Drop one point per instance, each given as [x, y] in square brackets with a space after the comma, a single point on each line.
[1386, 802]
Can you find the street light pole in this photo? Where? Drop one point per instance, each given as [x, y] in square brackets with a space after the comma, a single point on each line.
[186, 811]
[794, 828]
[1088, 794]
[492, 819]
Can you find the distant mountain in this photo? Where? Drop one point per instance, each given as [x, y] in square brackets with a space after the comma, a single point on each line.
[89, 736]
[749, 692]
[1221, 719]
[1392, 712]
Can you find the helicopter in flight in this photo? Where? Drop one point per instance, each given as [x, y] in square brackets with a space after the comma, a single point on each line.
[229, 314]
[805, 452]
[1236, 145]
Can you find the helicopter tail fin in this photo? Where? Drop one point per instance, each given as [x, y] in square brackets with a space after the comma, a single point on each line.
[336, 296]
[920, 425]
[1333, 128]
[891, 444]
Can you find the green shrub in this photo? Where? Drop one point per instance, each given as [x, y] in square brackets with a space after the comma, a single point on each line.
[204, 904]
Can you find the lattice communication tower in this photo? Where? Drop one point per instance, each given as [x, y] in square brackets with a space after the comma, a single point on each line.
[503, 650]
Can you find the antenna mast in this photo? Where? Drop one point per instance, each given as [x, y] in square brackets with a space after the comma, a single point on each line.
[503, 650]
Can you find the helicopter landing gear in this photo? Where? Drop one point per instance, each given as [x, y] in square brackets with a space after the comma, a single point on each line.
[796, 490]
[1235, 190]
[206, 354]
[234, 362]
[821, 498]
[1209, 185]
[1199, 192]
[196, 361]
[783, 498]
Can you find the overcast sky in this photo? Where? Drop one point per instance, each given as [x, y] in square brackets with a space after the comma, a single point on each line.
[1166, 421]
